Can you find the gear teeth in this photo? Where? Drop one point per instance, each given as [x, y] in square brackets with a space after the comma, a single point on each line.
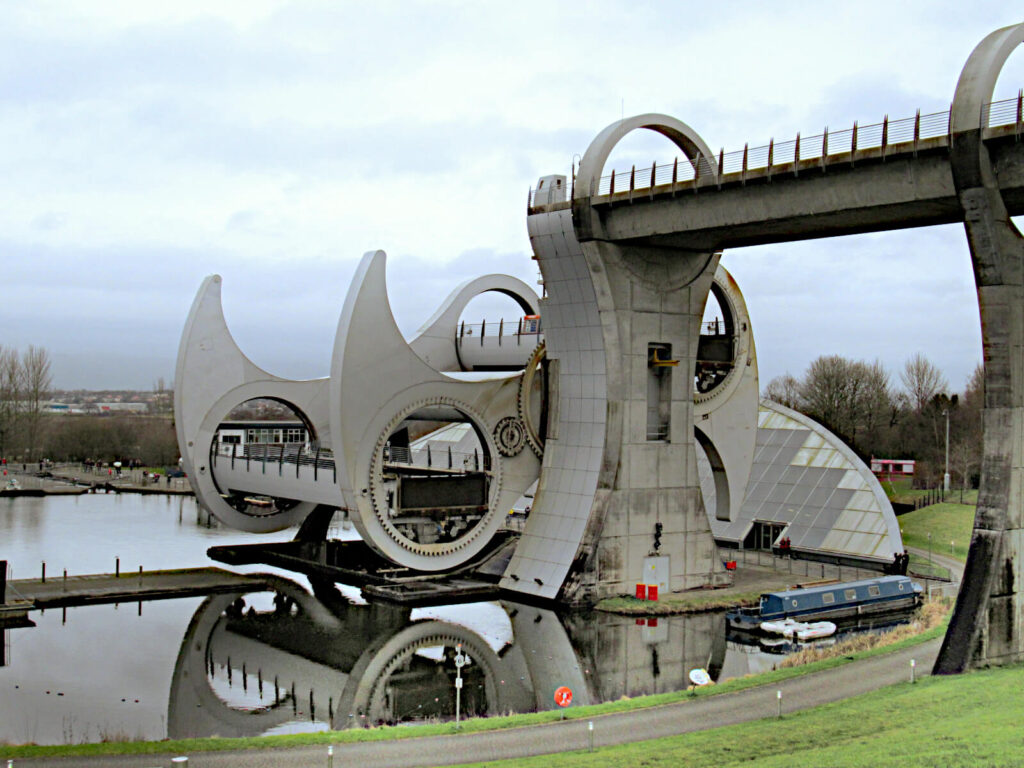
[523, 399]
[376, 472]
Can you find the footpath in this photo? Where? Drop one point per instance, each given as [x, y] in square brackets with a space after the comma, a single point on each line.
[75, 479]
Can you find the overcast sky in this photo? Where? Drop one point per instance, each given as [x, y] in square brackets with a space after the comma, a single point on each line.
[144, 146]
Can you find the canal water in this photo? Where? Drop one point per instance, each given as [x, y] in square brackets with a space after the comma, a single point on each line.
[302, 656]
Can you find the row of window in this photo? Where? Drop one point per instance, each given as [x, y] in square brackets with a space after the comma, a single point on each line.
[266, 435]
[850, 594]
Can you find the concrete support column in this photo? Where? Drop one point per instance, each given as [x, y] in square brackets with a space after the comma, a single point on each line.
[651, 303]
[987, 623]
[988, 620]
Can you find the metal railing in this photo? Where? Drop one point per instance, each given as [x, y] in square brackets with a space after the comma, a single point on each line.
[274, 457]
[437, 457]
[714, 327]
[894, 136]
[525, 328]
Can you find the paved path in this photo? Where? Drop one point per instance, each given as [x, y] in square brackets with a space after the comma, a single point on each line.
[691, 715]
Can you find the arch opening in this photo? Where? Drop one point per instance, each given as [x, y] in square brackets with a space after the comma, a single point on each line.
[589, 180]
[718, 473]
[434, 484]
[496, 331]
[256, 433]
[716, 346]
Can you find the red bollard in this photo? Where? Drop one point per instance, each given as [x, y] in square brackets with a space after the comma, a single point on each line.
[652, 592]
[641, 591]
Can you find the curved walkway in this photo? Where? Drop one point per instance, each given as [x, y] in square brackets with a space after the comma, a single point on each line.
[702, 713]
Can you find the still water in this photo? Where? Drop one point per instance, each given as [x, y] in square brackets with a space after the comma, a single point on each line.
[302, 656]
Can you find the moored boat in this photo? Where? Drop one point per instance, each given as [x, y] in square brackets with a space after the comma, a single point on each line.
[827, 602]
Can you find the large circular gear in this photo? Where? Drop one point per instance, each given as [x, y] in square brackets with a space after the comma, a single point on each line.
[523, 400]
[367, 696]
[378, 495]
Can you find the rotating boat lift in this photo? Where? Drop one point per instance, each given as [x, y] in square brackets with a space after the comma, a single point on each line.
[613, 451]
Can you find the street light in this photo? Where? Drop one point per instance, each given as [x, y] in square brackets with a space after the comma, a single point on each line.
[460, 662]
[945, 479]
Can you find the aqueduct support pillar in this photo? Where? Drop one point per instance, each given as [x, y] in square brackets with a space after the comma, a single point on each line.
[988, 622]
[648, 521]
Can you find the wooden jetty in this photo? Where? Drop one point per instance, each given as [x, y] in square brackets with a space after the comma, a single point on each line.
[29, 594]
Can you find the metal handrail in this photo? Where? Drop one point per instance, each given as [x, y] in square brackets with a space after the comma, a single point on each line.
[277, 456]
[888, 135]
[511, 329]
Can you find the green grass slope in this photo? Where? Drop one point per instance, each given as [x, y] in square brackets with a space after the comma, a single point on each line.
[967, 720]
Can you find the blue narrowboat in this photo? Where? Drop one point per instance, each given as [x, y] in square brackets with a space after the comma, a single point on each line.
[830, 601]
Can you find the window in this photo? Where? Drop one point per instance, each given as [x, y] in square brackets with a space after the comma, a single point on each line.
[231, 439]
[850, 594]
[874, 591]
[828, 598]
[295, 435]
[659, 390]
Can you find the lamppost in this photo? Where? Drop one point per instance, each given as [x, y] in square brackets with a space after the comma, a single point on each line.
[460, 662]
[945, 479]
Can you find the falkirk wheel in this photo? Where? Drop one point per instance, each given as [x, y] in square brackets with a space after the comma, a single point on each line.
[603, 418]
[504, 391]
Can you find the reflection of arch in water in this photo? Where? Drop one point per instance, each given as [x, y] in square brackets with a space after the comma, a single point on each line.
[195, 709]
[372, 694]
[370, 664]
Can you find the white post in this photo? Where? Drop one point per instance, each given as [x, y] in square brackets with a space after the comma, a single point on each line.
[945, 479]
[460, 660]
[330, 756]
[913, 663]
[590, 732]
[778, 696]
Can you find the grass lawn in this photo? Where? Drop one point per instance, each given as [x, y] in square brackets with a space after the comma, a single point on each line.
[965, 720]
[900, 490]
[946, 522]
[678, 603]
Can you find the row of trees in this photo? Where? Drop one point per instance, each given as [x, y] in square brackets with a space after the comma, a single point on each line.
[150, 439]
[28, 433]
[25, 384]
[875, 416]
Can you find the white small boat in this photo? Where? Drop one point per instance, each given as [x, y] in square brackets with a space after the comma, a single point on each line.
[784, 627]
[798, 630]
[816, 630]
[12, 485]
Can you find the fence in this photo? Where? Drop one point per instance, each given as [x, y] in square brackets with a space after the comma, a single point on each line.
[808, 568]
[528, 327]
[901, 135]
[279, 455]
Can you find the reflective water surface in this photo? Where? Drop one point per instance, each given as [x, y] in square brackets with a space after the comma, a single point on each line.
[301, 656]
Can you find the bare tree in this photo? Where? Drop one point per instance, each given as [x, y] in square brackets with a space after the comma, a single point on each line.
[828, 393]
[11, 387]
[922, 380]
[37, 383]
[784, 390]
[878, 407]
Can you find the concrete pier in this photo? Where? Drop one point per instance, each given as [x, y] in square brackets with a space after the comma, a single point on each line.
[128, 587]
